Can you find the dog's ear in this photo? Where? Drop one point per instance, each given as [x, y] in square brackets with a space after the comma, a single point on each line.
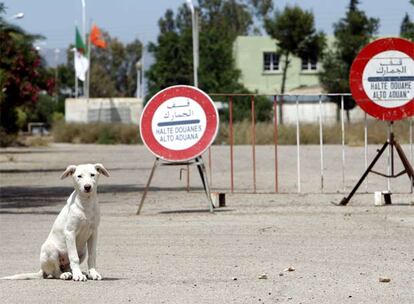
[101, 169]
[69, 171]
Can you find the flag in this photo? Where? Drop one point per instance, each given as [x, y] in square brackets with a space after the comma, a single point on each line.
[96, 37]
[81, 61]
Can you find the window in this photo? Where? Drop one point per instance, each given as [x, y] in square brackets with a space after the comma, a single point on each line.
[270, 62]
[309, 64]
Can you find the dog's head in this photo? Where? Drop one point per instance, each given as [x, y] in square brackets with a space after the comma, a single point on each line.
[85, 177]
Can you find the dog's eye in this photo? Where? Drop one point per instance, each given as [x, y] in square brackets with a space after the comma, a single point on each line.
[79, 176]
[92, 175]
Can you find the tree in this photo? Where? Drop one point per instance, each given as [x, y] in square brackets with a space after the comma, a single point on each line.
[295, 34]
[22, 76]
[407, 27]
[351, 33]
[220, 22]
[113, 71]
[117, 61]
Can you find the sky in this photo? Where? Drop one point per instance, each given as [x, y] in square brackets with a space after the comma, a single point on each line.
[131, 19]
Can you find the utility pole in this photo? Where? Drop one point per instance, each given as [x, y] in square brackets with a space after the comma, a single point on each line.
[194, 21]
[57, 51]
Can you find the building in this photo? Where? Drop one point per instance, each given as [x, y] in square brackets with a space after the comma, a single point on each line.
[261, 67]
[262, 71]
[108, 110]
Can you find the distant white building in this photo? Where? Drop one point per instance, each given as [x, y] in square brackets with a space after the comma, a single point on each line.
[310, 109]
[122, 110]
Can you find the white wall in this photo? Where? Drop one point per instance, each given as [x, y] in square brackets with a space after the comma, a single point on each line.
[309, 113]
[124, 110]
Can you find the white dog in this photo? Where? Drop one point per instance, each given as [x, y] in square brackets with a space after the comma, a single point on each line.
[75, 227]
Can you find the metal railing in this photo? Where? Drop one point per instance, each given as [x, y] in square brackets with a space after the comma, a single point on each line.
[276, 103]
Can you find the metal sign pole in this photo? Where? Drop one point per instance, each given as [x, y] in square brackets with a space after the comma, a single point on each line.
[366, 148]
[408, 169]
[198, 161]
[411, 151]
[381, 82]
[177, 125]
[144, 195]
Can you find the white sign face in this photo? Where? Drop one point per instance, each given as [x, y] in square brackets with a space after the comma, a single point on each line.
[179, 123]
[388, 79]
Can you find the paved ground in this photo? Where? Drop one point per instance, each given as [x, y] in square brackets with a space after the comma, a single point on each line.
[176, 252]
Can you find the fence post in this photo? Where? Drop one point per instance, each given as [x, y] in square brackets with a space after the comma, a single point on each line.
[210, 170]
[231, 144]
[253, 142]
[321, 139]
[366, 148]
[343, 142]
[298, 142]
[411, 148]
[275, 139]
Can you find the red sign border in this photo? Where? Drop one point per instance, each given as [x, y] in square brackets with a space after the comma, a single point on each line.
[212, 123]
[356, 73]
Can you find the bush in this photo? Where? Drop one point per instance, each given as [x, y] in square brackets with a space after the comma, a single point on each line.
[57, 116]
[6, 139]
[100, 133]
[37, 141]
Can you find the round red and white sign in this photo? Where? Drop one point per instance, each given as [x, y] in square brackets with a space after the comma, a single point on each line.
[179, 123]
[382, 79]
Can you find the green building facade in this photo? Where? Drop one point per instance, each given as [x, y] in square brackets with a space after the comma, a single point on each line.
[261, 68]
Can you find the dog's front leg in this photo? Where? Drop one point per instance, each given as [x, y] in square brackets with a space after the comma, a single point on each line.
[92, 273]
[70, 236]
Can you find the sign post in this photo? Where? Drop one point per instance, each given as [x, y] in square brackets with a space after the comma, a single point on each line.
[177, 125]
[382, 83]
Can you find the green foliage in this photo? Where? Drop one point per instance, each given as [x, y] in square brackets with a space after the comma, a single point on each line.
[242, 106]
[352, 33]
[106, 137]
[7, 139]
[407, 28]
[22, 74]
[44, 109]
[113, 70]
[21, 118]
[220, 23]
[57, 117]
[294, 30]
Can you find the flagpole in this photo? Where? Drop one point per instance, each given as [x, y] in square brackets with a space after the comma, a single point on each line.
[88, 76]
[74, 54]
[76, 85]
[84, 36]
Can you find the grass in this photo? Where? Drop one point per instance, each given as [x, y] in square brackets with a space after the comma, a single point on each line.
[103, 133]
[309, 133]
[100, 133]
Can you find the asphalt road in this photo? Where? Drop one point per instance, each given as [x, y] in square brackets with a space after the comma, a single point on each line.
[177, 252]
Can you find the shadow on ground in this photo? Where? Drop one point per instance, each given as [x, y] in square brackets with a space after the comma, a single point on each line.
[60, 170]
[194, 211]
[30, 197]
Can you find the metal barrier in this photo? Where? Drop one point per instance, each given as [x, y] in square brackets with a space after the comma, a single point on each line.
[276, 105]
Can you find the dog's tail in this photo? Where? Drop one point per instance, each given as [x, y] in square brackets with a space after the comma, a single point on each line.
[25, 276]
